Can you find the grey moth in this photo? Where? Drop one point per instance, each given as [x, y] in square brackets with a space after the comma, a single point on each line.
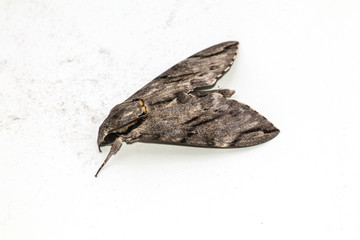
[178, 107]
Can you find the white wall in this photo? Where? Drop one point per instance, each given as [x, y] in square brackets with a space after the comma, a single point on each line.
[65, 64]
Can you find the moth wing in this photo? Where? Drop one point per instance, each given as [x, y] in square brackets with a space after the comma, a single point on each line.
[200, 70]
[207, 119]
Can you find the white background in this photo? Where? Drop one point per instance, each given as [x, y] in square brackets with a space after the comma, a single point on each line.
[65, 64]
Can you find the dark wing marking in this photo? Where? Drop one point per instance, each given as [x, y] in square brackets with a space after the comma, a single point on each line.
[200, 70]
[207, 119]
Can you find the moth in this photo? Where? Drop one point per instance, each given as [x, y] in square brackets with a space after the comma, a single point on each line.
[177, 107]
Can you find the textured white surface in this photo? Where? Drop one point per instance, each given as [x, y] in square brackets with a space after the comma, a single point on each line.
[65, 64]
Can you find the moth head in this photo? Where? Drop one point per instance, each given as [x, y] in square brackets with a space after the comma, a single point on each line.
[122, 119]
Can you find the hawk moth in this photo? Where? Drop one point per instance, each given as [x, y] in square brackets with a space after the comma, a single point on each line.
[177, 108]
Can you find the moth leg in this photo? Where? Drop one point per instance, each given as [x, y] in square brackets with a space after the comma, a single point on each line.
[114, 149]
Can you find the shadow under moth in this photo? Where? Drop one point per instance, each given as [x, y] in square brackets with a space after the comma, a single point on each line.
[177, 107]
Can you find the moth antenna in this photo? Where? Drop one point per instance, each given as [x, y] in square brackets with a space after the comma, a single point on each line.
[114, 149]
[103, 164]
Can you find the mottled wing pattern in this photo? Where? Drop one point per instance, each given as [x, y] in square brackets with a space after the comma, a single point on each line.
[207, 119]
[200, 70]
[175, 109]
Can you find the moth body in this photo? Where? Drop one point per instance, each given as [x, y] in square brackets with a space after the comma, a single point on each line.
[175, 108]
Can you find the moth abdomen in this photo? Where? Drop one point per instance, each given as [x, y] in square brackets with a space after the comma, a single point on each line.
[225, 92]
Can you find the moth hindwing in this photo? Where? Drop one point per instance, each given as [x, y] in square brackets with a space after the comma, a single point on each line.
[175, 108]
